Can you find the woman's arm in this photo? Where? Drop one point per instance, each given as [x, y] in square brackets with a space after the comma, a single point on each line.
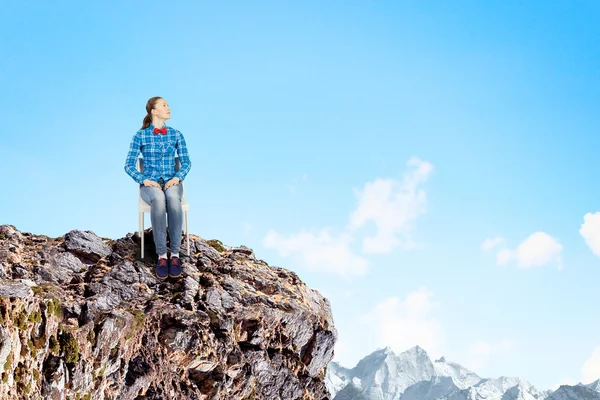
[132, 155]
[184, 157]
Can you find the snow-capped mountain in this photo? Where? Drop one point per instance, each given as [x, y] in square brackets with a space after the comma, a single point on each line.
[381, 375]
[594, 385]
[412, 375]
[577, 392]
[461, 376]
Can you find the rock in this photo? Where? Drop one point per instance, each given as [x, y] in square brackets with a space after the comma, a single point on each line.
[86, 244]
[10, 233]
[93, 322]
[15, 289]
[244, 250]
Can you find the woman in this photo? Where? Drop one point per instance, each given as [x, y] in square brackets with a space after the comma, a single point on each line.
[160, 184]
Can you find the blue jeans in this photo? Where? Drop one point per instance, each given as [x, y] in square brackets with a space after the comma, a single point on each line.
[165, 207]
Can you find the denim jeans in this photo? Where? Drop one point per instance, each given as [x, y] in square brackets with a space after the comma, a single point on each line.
[165, 208]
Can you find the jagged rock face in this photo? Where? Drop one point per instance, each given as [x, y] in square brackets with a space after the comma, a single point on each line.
[82, 317]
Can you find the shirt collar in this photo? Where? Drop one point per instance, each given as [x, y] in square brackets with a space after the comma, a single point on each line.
[151, 127]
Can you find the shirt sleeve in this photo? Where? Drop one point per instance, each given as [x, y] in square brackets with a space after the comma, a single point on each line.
[184, 157]
[132, 155]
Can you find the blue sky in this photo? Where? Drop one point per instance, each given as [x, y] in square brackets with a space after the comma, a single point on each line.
[371, 146]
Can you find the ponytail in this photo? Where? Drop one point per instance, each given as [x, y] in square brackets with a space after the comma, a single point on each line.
[147, 121]
[149, 107]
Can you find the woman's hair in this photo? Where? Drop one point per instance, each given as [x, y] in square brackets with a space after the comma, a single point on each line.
[149, 107]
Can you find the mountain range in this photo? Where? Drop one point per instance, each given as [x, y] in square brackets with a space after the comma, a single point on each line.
[412, 375]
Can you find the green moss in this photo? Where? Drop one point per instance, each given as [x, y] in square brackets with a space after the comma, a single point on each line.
[50, 307]
[54, 308]
[91, 337]
[138, 321]
[87, 397]
[37, 290]
[54, 346]
[8, 362]
[138, 317]
[216, 244]
[70, 346]
[35, 317]
[21, 320]
[36, 375]
[1, 319]
[2, 237]
[114, 351]
[57, 308]
[32, 348]
[4, 377]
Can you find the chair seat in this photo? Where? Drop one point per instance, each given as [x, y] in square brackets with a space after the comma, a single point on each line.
[145, 207]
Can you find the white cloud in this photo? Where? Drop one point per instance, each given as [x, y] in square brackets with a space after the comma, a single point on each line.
[402, 324]
[590, 231]
[392, 206]
[591, 368]
[490, 243]
[482, 353]
[590, 371]
[535, 251]
[320, 251]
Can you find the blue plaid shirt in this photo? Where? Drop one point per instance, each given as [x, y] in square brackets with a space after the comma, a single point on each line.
[158, 151]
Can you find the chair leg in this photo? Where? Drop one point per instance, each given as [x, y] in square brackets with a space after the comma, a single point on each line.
[187, 233]
[141, 227]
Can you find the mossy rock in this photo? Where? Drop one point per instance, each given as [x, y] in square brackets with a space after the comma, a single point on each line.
[138, 321]
[8, 363]
[35, 317]
[37, 290]
[70, 346]
[54, 308]
[54, 346]
[216, 244]
[21, 320]
[91, 337]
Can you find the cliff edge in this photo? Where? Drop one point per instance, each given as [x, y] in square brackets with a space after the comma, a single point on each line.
[82, 317]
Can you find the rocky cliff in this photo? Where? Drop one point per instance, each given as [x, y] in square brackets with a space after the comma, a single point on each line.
[82, 317]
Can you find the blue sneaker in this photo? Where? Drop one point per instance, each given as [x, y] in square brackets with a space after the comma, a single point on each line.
[175, 267]
[162, 270]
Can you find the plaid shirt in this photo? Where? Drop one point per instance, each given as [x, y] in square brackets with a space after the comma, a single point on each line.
[159, 155]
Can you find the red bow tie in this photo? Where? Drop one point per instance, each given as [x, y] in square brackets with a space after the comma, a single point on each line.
[163, 131]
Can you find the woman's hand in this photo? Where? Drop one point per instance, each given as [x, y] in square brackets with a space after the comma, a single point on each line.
[172, 182]
[148, 182]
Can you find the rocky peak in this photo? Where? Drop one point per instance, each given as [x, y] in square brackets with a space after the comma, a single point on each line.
[82, 317]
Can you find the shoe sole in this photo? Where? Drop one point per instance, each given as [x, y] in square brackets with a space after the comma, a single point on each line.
[174, 276]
